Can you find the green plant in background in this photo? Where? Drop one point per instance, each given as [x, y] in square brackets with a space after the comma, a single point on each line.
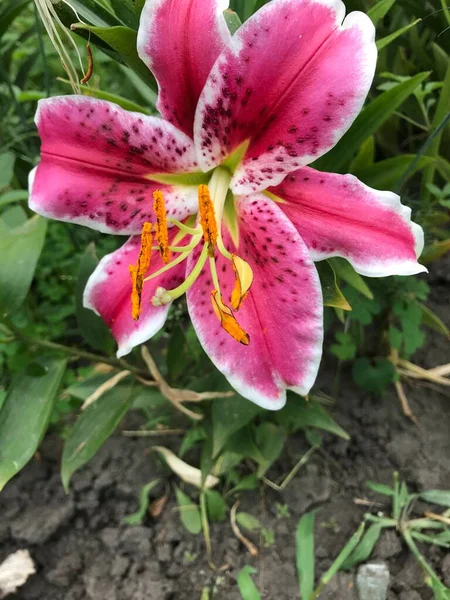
[53, 350]
[431, 529]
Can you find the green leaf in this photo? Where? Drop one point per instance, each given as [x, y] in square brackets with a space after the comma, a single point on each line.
[83, 389]
[395, 337]
[13, 196]
[216, 505]
[228, 416]
[26, 413]
[9, 12]
[372, 117]
[137, 517]
[343, 555]
[332, 295]
[189, 512]
[380, 10]
[93, 11]
[270, 439]
[305, 554]
[380, 488]
[365, 547]
[232, 20]
[193, 436]
[363, 308]
[102, 95]
[20, 249]
[248, 521]
[93, 428]
[7, 160]
[91, 326]
[346, 348]
[441, 497]
[431, 320]
[176, 354]
[247, 588]
[125, 10]
[345, 271]
[393, 36]
[373, 375]
[386, 174]
[300, 413]
[124, 41]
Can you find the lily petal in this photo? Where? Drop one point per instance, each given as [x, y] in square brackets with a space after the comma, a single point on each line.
[179, 40]
[108, 293]
[96, 160]
[282, 312]
[291, 83]
[337, 215]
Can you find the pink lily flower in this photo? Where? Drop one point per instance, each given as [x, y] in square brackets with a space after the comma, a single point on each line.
[242, 117]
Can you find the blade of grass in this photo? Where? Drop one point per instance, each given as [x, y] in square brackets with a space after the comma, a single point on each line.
[340, 560]
[305, 554]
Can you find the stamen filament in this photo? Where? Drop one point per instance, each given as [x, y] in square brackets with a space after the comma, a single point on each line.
[222, 249]
[174, 263]
[215, 278]
[185, 228]
[191, 278]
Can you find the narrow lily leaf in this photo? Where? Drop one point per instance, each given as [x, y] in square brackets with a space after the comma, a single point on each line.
[247, 588]
[93, 428]
[26, 412]
[270, 439]
[123, 40]
[365, 156]
[345, 271]
[9, 12]
[386, 174]
[393, 36]
[368, 122]
[13, 196]
[91, 326]
[102, 95]
[189, 512]
[332, 295]
[380, 10]
[137, 517]
[186, 472]
[305, 554]
[431, 320]
[232, 20]
[365, 547]
[20, 249]
[441, 497]
[7, 160]
[125, 10]
[228, 416]
[92, 11]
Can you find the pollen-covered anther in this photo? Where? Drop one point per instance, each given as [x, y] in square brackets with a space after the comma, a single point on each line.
[207, 218]
[139, 271]
[243, 283]
[227, 320]
[161, 232]
[161, 297]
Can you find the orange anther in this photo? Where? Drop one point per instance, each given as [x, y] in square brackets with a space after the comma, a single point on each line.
[162, 234]
[207, 217]
[139, 271]
[227, 320]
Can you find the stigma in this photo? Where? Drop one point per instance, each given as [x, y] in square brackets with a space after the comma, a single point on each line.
[206, 231]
